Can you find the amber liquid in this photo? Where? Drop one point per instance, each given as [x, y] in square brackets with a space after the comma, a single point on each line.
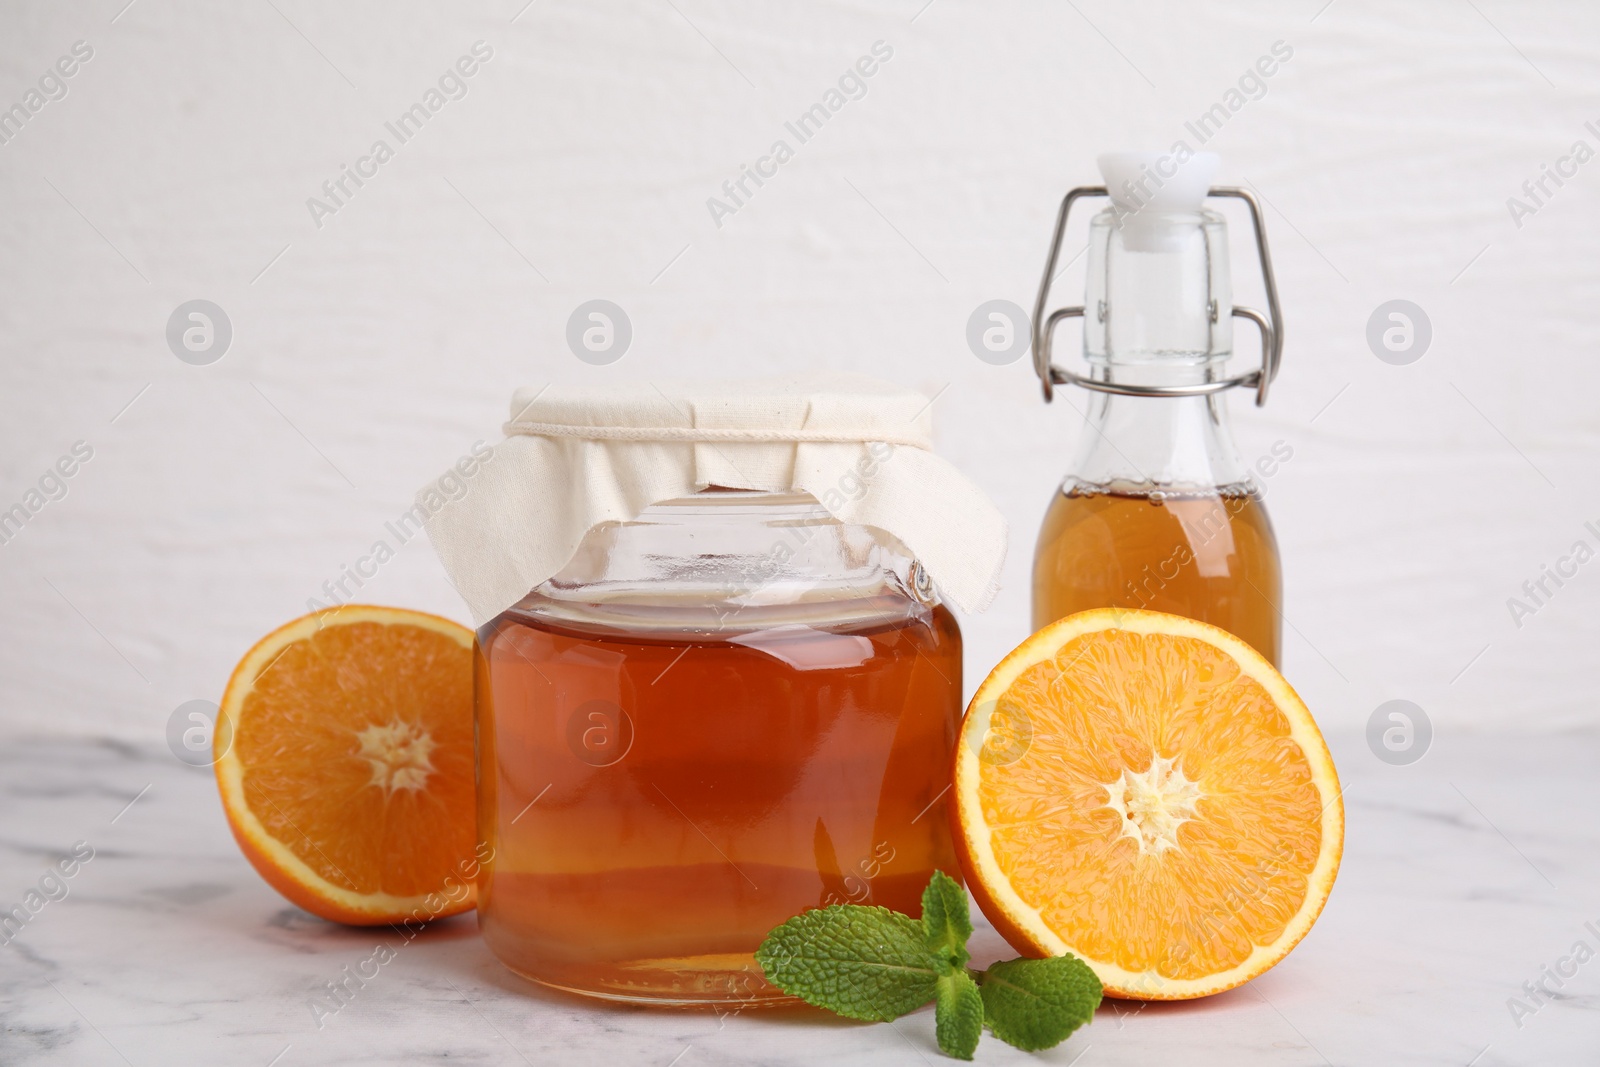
[657, 803]
[1205, 555]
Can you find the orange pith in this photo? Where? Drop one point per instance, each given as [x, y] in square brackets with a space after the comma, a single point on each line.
[1148, 793]
[347, 778]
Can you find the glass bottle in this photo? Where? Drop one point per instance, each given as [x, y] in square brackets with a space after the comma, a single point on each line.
[725, 712]
[1158, 511]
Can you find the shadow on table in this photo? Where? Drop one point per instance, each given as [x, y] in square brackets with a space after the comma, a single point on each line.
[479, 966]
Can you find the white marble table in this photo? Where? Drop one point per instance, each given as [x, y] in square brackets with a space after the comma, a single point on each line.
[1464, 876]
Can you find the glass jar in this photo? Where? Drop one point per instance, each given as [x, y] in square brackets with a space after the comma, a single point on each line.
[715, 717]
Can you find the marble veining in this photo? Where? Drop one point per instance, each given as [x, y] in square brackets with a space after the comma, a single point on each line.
[1468, 879]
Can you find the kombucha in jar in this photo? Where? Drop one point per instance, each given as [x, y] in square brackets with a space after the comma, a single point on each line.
[686, 738]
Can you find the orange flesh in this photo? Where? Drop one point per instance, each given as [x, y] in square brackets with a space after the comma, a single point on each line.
[356, 748]
[1237, 870]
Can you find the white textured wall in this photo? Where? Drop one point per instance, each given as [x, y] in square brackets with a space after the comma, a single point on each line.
[378, 347]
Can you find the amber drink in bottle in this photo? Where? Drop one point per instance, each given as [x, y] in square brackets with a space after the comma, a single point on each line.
[1159, 510]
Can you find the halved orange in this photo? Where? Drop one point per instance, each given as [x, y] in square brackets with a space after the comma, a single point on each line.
[1146, 792]
[348, 776]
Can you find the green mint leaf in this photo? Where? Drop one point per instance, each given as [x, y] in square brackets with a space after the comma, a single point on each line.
[946, 922]
[958, 1015]
[1036, 1004]
[862, 962]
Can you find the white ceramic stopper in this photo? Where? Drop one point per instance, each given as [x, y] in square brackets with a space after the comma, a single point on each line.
[1148, 188]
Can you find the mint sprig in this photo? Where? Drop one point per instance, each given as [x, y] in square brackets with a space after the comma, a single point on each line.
[862, 962]
[875, 964]
[946, 921]
[1035, 1004]
[958, 1015]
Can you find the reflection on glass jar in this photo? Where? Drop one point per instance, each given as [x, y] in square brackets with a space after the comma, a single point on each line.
[719, 715]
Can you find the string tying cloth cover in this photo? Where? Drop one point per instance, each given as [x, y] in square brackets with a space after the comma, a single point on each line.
[576, 458]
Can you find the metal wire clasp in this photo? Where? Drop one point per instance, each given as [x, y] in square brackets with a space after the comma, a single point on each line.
[1270, 325]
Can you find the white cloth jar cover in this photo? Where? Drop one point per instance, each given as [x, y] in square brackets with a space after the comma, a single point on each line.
[574, 459]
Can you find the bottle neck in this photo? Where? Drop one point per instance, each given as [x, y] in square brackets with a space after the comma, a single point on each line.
[1158, 313]
[1165, 444]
